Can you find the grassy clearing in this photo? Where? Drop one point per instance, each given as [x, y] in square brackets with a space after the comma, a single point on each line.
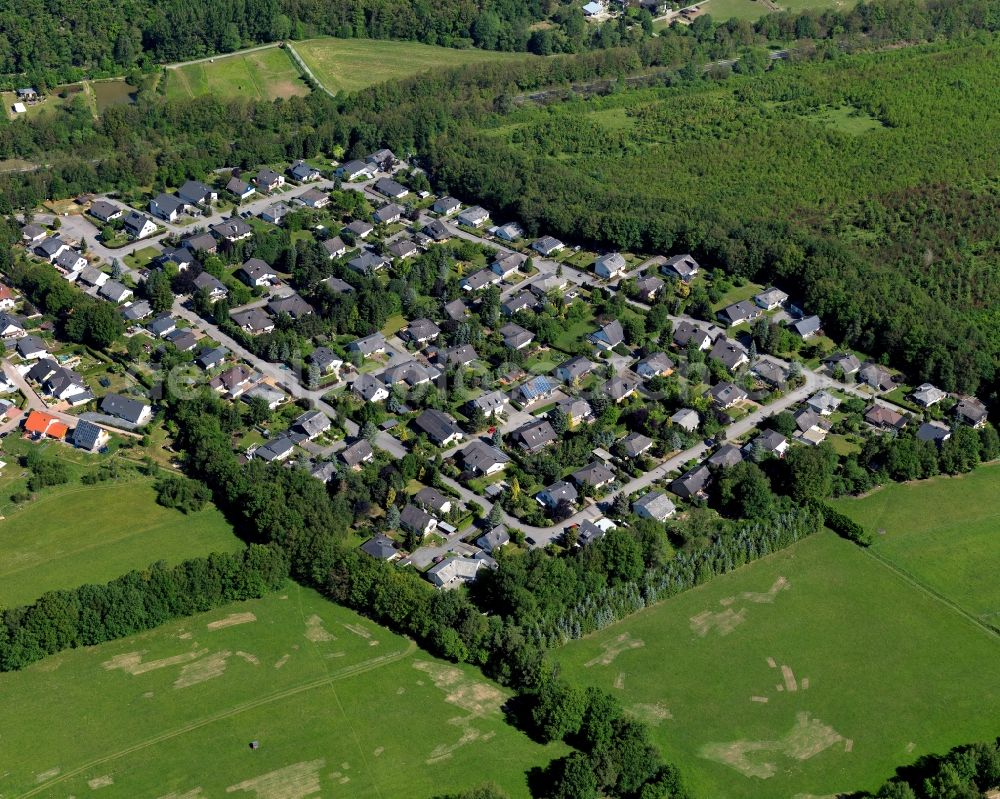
[943, 532]
[813, 671]
[846, 119]
[77, 534]
[347, 65]
[340, 707]
[753, 9]
[260, 75]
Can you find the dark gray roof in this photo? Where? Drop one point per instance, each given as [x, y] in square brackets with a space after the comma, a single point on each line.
[87, 434]
[438, 425]
[380, 547]
[357, 453]
[127, 408]
[535, 435]
[481, 457]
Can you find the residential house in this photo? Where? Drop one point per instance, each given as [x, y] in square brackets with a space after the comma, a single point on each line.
[59, 382]
[480, 280]
[461, 355]
[210, 283]
[388, 214]
[446, 206]
[576, 409]
[726, 395]
[654, 505]
[369, 345]
[971, 411]
[131, 410]
[692, 483]
[510, 232]
[873, 375]
[324, 471]
[534, 436]
[732, 354]
[271, 395]
[412, 373]
[368, 263]
[770, 299]
[422, 331]
[433, 501]
[105, 211]
[609, 335]
[926, 395]
[516, 337]
[594, 9]
[656, 364]
[268, 180]
[770, 442]
[162, 326]
[610, 266]
[683, 266]
[274, 214]
[194, 192]
[439, 427]
[313, 198]
[417, 521]
[390, 188]
[334, 247]
[201, 242]
[807, 327]
[823, 402]
[381, 547]
[183, 340]
[938, 432]
[556, 493]
[211, 357]
[595, 475]
[590, 532]
[620, 387]
[181, 257]
[234, 381]
[325, 360]
[545, 286]
[770, 372]
[456, 310]
[436, 231]
[454, 571]
[337, 286]
[31, 348]
[495, 539]
[482, 458]
[312, 424]
[274, 451]
[534, 390]
[232, 230]
[354, 170]
[739, 312]
[254, 272]
[70, 261]
[492, 403]
[847, 362]
[10, 326]
[384, 159]
[547, 245]
[685, 333]
[473, 217]
[686, 419]
[33, 234]
[648, 288]
[370, 388]
[303, 172]
[115, 292]
[403, 248]
[357, 454]
[636, 444]
[89, 436]
[51, 248]
[507, 265]
[726, 456]
[240, 189]
[885, 418]
[254, 321]
[575, 369]
[293, 305]
[166, 207]
[44, 425]
[359, 229]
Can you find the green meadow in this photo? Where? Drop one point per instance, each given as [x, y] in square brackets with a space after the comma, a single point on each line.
[813, 671]
[337, 706]
[259, 75]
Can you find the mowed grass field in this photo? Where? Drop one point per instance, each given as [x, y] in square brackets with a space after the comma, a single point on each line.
[339, 706]
[347, 65]
[722, 10]
[945, 532]
[260, 75]
[813, 671]
[76, 534]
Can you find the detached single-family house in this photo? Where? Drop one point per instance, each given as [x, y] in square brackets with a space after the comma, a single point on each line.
[162, 326]
[636, 444]
[686, 419]
[692, 483]
[384, 159]
[620, 387]
[412, 373]
[878, 378]
[683, 267]
[461, 355]
[656, 364]
[516, 337]
[389, 213]
[847, 362]
[770, 299]
[325, 360]
[370, 388]
[495, 539]
[195, 192]
[648, 289]
[732, 354]
[312, 424]
[439, 427]
[492, 403]
[240, 189]
[368, 263]
[232, 230]
[234, 381]
[44, 425]
[31, 348]
[275, 451]
[654, 505]
[480, 280]
[770, 372]
[201, 242]
[303, 172]
[473, 217]
[557, 492]
[885, 418]
[268, 180]
[357, 454]
[938, 432]
[210, 283]
[254, 272]
[610, 266]
[823, 402]
[254, 321]
[533, 390]
[726, 395]
[70, 261]
[739, 312]
[354, 170]
[275, 213]
[770, 442]
[926, 395]
[417, 521]
[534, 436]
[596, 475]
[525, 301]
[686, 332]
[33, 234]
[334, 247]
[547, 245]
[183, 340]
[131, 410]
[807, 327]
[436, 230]
[390, 188]
[609, 335]
[166, 207]
[359, 229]
[115, 292]
[454, 571]
[575, 369]
[482, 458]
[507, 265]
[446, 206]
[10, 326]
[369, 345]
[105, 211]
[510, 232]
[971, 411]
[576, 409]
[89, 436]
[313, 198]
[433, 500]
[211, 357]
[726, 456]
[381, 547]
[293, 305]
[403, 248]
[421, 331]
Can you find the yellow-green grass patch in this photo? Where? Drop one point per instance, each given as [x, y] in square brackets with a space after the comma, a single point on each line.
[259, 75]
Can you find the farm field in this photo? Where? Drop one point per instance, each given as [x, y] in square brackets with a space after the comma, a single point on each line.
[942, 531]
[76, 534]
[339, 706]
[261, 75]
[813, 671]
[347, 65]
[722, 10]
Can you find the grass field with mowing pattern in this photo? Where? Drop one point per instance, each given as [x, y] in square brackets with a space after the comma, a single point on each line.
[813, 671]
[339, 707]
[260, 75]
[945, 532]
